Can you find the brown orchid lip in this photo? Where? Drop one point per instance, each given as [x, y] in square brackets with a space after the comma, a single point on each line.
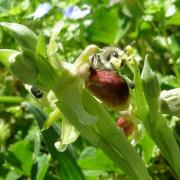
[109, 87]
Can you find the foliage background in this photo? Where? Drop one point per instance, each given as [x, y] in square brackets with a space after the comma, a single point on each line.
[150, 26]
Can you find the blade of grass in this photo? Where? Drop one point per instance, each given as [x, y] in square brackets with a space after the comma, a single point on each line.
[11, 99]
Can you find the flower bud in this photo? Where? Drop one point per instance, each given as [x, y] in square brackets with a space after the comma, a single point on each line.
[23, 67]
[151, 88]
[170, 102]
[127, 126]
[109, 87]
[24, 36]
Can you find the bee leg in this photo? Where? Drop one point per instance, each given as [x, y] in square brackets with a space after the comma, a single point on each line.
[130, 84]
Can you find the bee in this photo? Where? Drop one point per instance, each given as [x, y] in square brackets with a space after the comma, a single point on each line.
[111, 58]
[104, 81]
[36, 92]
[100, 61]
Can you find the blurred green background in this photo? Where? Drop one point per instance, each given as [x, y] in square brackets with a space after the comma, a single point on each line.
[149, 26]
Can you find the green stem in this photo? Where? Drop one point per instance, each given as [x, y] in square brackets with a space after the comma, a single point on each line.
[156, 126]
[116, 157]
[91, 135]
[11, 99]
[167, 143]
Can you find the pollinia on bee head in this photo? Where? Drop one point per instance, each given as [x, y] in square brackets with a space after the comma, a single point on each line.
[111, 58]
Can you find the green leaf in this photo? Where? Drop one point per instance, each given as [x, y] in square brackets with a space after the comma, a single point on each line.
[48, 75]
[174, 20]
[113, 136]
[94, 159]
[134, 8]
[42, 166]
[167, 144]
[23, 67]
[13, 176]
[148, 146]
[94, 174]
[22, 151]
[66, 165]
[105, 26]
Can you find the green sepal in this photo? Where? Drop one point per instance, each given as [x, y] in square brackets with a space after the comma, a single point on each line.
[4, 56]
[69, 90]
[140, 104]
[73, 100]
[41, 46]
[48, 75]
[82, 63]
[151, 88]
[23, 67]
[69, 134]
[53, 116]
[25, 37]
[53, 46]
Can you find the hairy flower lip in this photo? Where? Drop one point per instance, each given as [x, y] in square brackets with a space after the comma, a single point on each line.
[109, 87]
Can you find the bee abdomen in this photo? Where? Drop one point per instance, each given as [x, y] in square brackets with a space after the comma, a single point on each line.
[109, 87]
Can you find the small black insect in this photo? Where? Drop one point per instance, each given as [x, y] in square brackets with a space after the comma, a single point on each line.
[36, 92]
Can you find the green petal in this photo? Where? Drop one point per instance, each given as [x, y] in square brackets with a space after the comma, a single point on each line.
[69, 134]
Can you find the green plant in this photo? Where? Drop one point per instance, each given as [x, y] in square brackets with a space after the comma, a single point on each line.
[37, 64]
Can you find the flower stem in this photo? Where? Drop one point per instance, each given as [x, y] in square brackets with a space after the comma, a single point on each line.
[102, 132]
